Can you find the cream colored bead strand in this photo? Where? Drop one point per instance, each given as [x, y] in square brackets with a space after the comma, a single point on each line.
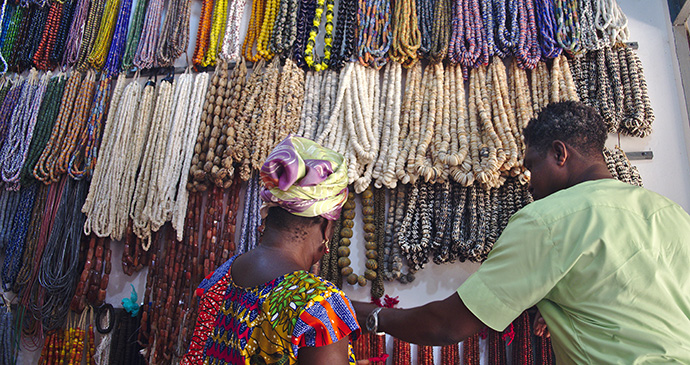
[414, 80]
[372, 128]
[330, 127]
[393, 111]
[461, 171]
[193, 121]
[310, 97]
[502, 112]
[430, 115]
[384, 125]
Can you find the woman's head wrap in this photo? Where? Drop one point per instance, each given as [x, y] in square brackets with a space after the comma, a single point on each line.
[305, 179]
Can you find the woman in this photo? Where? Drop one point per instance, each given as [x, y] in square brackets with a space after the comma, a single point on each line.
[264, 307]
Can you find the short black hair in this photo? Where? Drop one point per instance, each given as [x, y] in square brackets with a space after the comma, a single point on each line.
[283, 220]
[572, 122]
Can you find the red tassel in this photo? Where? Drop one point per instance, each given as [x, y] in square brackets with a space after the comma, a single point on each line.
[378, 356]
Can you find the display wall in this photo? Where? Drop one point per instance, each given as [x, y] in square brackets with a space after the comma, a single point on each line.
[667, 173]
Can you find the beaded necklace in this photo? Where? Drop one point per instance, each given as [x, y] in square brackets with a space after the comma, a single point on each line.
[425, 10]
[401, 352]
[568, 32]
[174, 38]
[19, 38]
[48, 39]
[284, 29]
[218, 172]
[45, 166]
[252, 218]
[290, 100]
[611, 20]
[305, 17]
[76, 32]
[59, 263]
[546, 25]
[9, 104]
[264, 40]
[410, 104]
[235, 132]
[231, 50]
[11, 35]
[146, 50]
[99, 53]
[406, 35]
[374, 36]
[8, 201]
[312, 59]
[15, 246]
[219, 13]
[204, 31]
[135, 26]
[640, 116]
[442, 209]
[5, 21]
[34, 225]
[82, 106]
[193, 121]
[32, 38]
[83, 160]
[117, 45]
[263, 117]
[91, 28]
[99, 214]
[57, 51]
[345, 34]
[527, 51]
[502, 42]
[384, 169]
[457, 158]
[431, 116]
[16, 146]
[468, 45]
[440, 31]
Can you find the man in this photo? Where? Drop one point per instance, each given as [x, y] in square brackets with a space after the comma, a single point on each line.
[606, 263]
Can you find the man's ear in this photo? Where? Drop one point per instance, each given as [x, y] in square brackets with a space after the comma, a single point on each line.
[560, 152]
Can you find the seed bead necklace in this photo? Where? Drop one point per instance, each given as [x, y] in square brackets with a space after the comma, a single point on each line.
[374, 36]
[91, 30]
[135, 27]
[174, 38]
[33, 37]
[344, 42]
[146, 49]
[16, 244]
[5, 19]
[219, 14]
[76, 32]
[49, 34]
[406, 38]
[117, 45]
[231, 50]
[58, 50]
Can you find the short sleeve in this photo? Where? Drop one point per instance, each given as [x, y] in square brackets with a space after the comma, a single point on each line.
[329, 318]
[522, 268]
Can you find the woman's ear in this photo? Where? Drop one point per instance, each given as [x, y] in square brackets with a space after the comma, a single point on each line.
[327, 229]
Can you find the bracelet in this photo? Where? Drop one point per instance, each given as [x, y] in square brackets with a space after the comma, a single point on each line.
[372, 323]
[111, 318]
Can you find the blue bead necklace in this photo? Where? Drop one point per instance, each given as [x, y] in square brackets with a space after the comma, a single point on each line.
[17, 237]
[117, 46]
[546, 23]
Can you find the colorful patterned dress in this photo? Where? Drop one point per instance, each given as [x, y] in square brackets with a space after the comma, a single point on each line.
[267, 324]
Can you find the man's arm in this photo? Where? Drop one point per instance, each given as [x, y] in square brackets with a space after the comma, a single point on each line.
[333, 354]
[439, 323]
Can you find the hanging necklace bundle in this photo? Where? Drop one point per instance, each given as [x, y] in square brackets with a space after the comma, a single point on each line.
[146, 49]
[17, 236]
[32, 38]
[219, 13]
[391, 99]
[76, 32]
[147, 178]
[374, 36]
[289, 101]
[546, 25]
[427, 165]
[567, 20]
[133, 34]
[49, 34]
[312, 60]
[117, 46]
[231, 42]
[101, 204]
[16, 144]
[284, 31]
[468, 45]
[174, 37]
[255, 26]
[620, 167]
[193, 121]
[58, 50]
[91, 29]
[406, 38]
[610, 20]
[249, 233]
[343, 48]
[98, 54]
[263, 116]
[235, 131]
[527, 51]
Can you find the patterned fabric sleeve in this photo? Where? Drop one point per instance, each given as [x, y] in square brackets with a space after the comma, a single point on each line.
[326, 319]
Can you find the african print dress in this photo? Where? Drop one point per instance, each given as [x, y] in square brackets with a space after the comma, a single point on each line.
[267, 324]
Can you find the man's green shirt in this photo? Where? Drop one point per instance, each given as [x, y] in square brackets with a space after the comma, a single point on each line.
[608, 266]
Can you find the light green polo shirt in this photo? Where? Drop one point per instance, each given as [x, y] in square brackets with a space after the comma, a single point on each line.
[608, 266]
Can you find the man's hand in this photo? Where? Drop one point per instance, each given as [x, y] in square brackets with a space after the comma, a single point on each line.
[540, 327]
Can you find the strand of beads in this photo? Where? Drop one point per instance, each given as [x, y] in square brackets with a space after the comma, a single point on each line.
[217, 172]
[592, 39]
[284, 28]
[20, 38]
[503, 115]
[568, 31]
[254, 30]
[90, 33]
[249, 235]
[406, 38]
[49, 34]
[442, 223]
[540, 85]
[235, 131]
[193, 121]
[470, 350]
[231, 42]
[98, 207]
[401, 352]
[310, 57]
[112, 62]
[468, 44]
[219, 14]
[76, 32]
[31, 242]
[98, 54]
[610, 20]
[143, 197]
[263, 117]
[377, 288]
[16, 145]
[431, 118]
[639, 114]
[305, 18]
[84, 157]
[145, 56]
[345, 34]
[374, 36]
[290, 100]
[527, 51]
[425, 355]
[459, 158]
[174, 37]
[496, 347]
[369, 96]
[203, 32]
[441, 31]
[406, 140]
[546, 25]
[16, 243]
[57, 52]
[384, 170]
[32, 38]
[133, 34]
[249, 100]
[450, 355]
[346, 233]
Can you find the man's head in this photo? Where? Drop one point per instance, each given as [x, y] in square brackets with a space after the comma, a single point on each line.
[564, 147]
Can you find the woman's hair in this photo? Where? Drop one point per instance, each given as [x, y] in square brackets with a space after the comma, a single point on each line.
[572, 122]
[280, 219]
